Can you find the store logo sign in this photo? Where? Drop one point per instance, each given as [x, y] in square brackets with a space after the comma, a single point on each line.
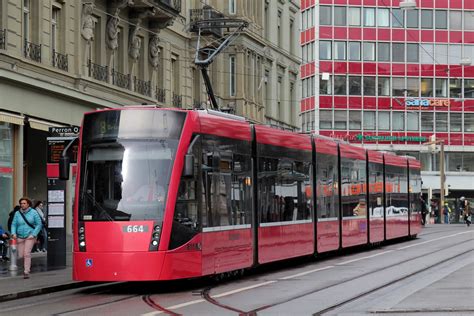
[426, 102]
[374, 138]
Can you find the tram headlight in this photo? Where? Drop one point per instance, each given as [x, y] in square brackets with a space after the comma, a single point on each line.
[154, 243]
[82, 237]
[157, 228]
[82, 243]
[156, 235]
[81, 230]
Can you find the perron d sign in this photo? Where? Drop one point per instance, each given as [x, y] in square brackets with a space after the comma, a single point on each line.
[426, 102]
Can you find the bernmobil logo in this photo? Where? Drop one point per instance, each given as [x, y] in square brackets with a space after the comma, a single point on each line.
[89, 263]
[426, 102]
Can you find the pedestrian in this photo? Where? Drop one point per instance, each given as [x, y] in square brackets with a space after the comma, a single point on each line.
[43, 236]
[446, 212]
[4, 237]
[11, 215]
[26, 226]
[424, 210]
[466, 211]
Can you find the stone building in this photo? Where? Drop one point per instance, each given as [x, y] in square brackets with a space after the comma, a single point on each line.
[59, 59]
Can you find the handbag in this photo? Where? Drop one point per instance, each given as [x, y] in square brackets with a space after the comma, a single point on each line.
[26, 221]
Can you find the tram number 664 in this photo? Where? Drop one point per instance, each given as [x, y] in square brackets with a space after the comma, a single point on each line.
[135, 229]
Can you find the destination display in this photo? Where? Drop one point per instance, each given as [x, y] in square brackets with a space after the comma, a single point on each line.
[56, 147]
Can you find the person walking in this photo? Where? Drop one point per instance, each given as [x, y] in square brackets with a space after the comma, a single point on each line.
[424, 210]
[26, 226]
[446, 212]
[466, 211]
[43, 236]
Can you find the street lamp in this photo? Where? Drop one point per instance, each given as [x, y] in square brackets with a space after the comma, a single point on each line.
[408, 4]
[433, 142]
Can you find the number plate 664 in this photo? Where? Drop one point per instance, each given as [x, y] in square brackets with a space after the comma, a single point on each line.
[135, 229]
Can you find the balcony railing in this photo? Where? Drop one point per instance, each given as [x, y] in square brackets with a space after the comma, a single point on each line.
[171, 4]
[206, 14]
[160, 95]
[98, 72]
[60, 61]
[142, 86]
[3, 39]
[177, 100]
[121, 80]
[32, 51]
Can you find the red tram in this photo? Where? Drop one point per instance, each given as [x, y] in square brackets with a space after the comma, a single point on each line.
[165, 194]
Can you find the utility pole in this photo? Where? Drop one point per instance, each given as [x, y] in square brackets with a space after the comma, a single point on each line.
[442, 177]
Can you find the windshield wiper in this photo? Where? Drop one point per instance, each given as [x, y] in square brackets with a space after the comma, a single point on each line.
[98, 206]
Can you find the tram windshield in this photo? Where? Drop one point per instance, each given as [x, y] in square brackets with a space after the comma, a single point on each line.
[125, 179]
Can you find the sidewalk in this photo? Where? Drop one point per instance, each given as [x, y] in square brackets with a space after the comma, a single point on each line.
[42, 280]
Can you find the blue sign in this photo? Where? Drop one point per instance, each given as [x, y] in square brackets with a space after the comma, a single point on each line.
[88, 263]
[417, 102]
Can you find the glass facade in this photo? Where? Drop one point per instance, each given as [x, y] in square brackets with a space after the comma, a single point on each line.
[6, 171]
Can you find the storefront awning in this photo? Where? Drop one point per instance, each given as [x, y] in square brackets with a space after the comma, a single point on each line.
[12, 118]
[42, 125]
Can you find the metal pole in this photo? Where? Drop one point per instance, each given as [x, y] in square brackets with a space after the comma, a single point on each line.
[441, 176]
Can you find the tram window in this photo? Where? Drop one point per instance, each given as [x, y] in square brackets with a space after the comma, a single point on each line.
[353, 187]
[415, 191]
[375, 189]
[327, 204]
[396, 186]
[284, 190]
[227, 193]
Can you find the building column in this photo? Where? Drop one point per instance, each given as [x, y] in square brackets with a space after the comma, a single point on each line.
[19, 132]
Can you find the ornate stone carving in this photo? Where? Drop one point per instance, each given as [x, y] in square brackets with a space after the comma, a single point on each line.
[135, 42]
[112, 31]
[154, 50]
[87, 22]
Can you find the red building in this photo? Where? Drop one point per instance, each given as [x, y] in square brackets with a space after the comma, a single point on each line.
[389, 78]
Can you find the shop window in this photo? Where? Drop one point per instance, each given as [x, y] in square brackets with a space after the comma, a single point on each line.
[354, 51]
[340, 18]
[397, 18]
[354, 16]
[426, 87]
[369, 16]
[413, 87]
[469, 88]
[325, 119]
[441, 19]
[384, 86]
[369, 85]
[355, 85]
[383, 52]
[412, 19]
[426, 53]
[340, 120]
[398, 52]
[413, 123]
[441, 87]
[426, 19]
[355, 120]
[468, 162]
[398, 87]
[455, 90]
[426, 121]
[383, 121]
[413, 53]
[454, 161]
[383, 17]
[369, 120]
[455, 20]
[398, 121]
[455, 122]
[325, 15]
[369, 51]
[325, 50]
[325, 86]
[339, 50]
[468, 122]
[340, 85]
[441, 122]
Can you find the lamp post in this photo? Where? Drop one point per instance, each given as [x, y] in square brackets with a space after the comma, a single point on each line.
[442, 178]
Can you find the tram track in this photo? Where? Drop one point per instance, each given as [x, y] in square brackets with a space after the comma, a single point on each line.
[205, 294]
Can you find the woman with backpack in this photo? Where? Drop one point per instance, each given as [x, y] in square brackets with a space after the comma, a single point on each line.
[26, 226]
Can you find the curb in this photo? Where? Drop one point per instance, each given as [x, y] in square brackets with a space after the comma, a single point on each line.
[45, 290]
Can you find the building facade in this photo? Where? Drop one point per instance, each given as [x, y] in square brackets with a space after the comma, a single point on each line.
[393, 79]
[59, 59]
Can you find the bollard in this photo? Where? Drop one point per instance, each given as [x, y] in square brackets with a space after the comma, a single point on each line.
[13, 255]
